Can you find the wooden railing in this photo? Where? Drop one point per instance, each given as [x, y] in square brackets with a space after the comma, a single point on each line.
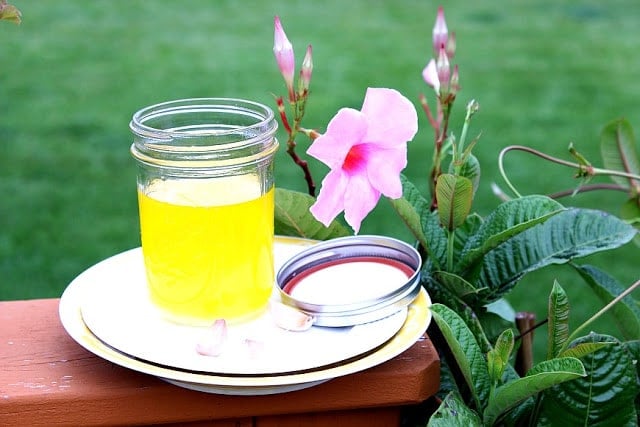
[46, 378]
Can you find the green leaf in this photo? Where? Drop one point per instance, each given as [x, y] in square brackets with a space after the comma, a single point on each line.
[414, 210]
[633, 347]
[465, 232]
[292, 217]
[466, 351]
[454, 195]
[502, 308]
[453, 412]
[626, 312]
[498, 357]
[470, 169]
[507, 220]
[582, 349]
[411, 207]
[570, 234]
[618, 149]
[456, 284]
[542, 376]
[605, 397]
[558, 325]
[630, 212]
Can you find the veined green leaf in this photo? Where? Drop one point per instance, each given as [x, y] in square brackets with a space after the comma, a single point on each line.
[633, 347]
[456, 284]
[465, 232]
[411, 207]
[292, 217]
[453, 412]
[604, 397]
[414, 210]
[498, 357]
[466, 351]
[507, 220]
[542, 376]
[570, 234]
[470, 169]
[626, 312]
[618, 149]
[582, 349]
[454, 195]
[558, 325]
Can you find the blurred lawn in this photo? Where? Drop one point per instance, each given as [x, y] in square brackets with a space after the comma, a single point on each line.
[545, 73]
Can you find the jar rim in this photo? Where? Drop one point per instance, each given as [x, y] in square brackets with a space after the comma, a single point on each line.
[263, 114]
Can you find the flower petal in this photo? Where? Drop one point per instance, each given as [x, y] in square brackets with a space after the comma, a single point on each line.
[430, 76]
[383, 170]
[391, 117]
[330, 201]
[346, 129]
[359, 199]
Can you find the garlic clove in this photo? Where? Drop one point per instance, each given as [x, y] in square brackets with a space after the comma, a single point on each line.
[289, 318]
[213, 343]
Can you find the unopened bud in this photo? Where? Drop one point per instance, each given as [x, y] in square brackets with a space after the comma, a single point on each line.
[443, 68]
[450, 45]
[306, 69]
[454, 84]
[440, 31]
[283, 51]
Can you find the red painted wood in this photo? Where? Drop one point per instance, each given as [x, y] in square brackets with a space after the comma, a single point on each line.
[48, 379]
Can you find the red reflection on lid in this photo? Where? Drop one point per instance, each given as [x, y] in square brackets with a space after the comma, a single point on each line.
[295, 280]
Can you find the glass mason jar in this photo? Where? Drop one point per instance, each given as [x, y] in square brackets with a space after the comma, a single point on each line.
[206, 202]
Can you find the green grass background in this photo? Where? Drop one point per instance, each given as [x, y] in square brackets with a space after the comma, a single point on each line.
[545, 72]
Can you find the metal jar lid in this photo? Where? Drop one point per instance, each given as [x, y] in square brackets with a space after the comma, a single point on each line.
[372, 277]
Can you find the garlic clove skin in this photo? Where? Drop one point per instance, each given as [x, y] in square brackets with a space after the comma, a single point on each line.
[289, 318]
[214, 342]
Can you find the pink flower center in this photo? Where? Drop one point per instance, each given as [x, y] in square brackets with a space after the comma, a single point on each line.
[356, 159]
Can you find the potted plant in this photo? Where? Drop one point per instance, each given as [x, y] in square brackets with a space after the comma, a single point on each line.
[470, 262]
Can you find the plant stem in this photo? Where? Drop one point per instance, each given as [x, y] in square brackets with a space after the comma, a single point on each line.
[587, 170]
[603, 310]
[587, 188]
[458, 157]
[450, 241]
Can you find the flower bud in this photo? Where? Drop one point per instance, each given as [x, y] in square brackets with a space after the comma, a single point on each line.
[450, 45]
[306, 70]
[454, 83]
[443, 68]
[283, 51]
[440, 31]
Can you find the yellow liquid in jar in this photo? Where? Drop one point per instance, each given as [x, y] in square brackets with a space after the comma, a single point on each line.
[208, 247]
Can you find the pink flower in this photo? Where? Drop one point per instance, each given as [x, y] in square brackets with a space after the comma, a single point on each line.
[283, 51]
[366, 151]
[440, 31]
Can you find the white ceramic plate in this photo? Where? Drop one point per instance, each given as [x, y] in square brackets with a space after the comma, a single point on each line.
[116, 308]
[416, 323]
